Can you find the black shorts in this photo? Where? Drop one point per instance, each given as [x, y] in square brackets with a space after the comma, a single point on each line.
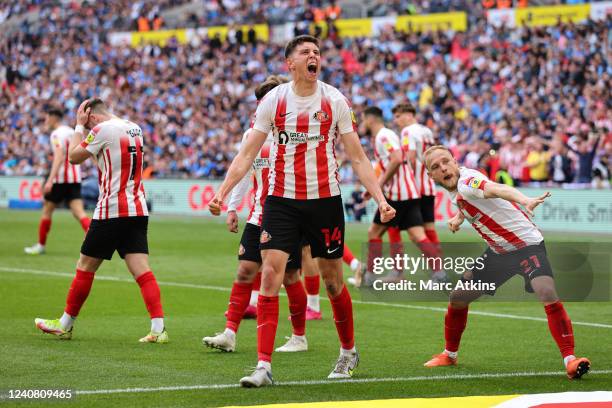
[64, 192]
[407, 214]
[320, 221]
[427, 208]
[249, 248]
[126, 235]
[528, 262]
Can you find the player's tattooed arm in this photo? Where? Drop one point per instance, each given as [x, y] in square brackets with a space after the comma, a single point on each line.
[496, 190]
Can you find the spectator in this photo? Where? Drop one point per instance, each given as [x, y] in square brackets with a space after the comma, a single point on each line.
[537, 161]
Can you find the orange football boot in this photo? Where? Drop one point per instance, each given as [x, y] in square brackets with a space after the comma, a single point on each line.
[441, 360]
[578, 367]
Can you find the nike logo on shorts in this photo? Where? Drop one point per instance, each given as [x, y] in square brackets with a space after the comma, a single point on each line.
[331, 252]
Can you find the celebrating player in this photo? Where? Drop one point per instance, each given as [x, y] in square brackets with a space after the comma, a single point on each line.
[63, 183]
[516, 247]
[249, 255]
[398, 180]
[305, 117]
[120, 218]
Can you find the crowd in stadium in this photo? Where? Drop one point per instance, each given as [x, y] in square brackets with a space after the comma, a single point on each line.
[524, 104]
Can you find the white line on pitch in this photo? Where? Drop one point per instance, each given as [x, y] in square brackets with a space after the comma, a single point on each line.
[360, 302]
[347, 381]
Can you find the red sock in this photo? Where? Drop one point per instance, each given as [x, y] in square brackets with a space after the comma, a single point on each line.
[348, 255]
[297, 307]
[257, 282]
[85, 221]
[150, 294]
[79, 290]
[267, 321]
[343, 317]
[43, 230]
[238, 302]
[560, 327]
[432, 235]
[312, 284]
[374, 251]
[454, 325]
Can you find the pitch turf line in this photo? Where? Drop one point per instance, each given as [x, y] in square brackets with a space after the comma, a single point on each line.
[347, 381]
[360, 302]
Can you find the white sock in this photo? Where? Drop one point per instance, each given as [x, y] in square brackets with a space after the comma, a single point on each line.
[229, 332]
[567, 359]
[157, 324]
[313, 302]
[254, 296]
[355, 264]
[264, 364]
[303, 337]
[66, 321]
[350, 352]
[451, 354]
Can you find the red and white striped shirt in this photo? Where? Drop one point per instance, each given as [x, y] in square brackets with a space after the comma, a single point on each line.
[418, 138]
[118, 146]
[67, 173]
[501, 223]
[261, 177]
[305, 130]
[402, 186]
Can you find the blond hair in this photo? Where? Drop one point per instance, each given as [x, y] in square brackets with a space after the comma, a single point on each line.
[432, 149]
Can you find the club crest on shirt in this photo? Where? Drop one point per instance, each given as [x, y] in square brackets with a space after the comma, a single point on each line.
[241, 250]
[320, 116]
[265, 237]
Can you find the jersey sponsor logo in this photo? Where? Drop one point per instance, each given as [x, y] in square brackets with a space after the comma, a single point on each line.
[241, 250]
[321, 116]
[285, 137]
[264, 237]
[261, 163]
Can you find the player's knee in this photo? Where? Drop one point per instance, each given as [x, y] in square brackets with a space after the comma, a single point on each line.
[459, 300]
[547, 294]
[291, 277]
[374, 232]
[245, 274]
[416, 236]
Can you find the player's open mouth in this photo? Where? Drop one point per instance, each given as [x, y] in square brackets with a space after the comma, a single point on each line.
[448, 177]
[312, 68]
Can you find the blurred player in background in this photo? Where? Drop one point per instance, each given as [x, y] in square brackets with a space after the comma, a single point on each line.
[120, 219]
[516, 247]
[63, 183]
[249, 255]
[398, 181]
[305, 116]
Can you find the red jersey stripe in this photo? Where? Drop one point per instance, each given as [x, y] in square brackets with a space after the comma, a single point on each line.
[66, 164]
[493, 226]
[321, 150]
[137, 177]
[126, 162]
[103, 188]
[109, 179]
[279, 163]
[299, 163]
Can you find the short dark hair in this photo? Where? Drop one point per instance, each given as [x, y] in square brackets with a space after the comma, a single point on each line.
[404, 108]
[300, 39]
[96, 105]
[374, 111]
[266, 86]
[55, 111]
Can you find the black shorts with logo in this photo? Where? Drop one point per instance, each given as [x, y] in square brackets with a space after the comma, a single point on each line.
[428, 208]
[64, 192]
[249, 248]
[529, 262]
[319, 221]
[126, 235]
[407, 214]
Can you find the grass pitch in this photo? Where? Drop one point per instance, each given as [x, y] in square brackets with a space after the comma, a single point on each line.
[195, 259]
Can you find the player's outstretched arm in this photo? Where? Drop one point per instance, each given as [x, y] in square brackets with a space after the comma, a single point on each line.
[238, 169]
[365, 172]
[496, 190]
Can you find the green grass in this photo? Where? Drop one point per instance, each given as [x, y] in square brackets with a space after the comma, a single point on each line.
[393, 342]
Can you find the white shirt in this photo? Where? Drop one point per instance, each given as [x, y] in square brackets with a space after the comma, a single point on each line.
[402, 186]
[67, 173]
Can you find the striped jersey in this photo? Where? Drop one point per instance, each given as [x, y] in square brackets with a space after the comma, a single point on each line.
[418, 138]
[402, 186]
[501, 223]
[304, 131]
[260, 176]
[67, 173]
[118, 147]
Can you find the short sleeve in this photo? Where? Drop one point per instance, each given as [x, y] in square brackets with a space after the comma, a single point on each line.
[472, 187]
[95, 141]
[347, 122]
[264, 115]
[387, 144]
[55, 142]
